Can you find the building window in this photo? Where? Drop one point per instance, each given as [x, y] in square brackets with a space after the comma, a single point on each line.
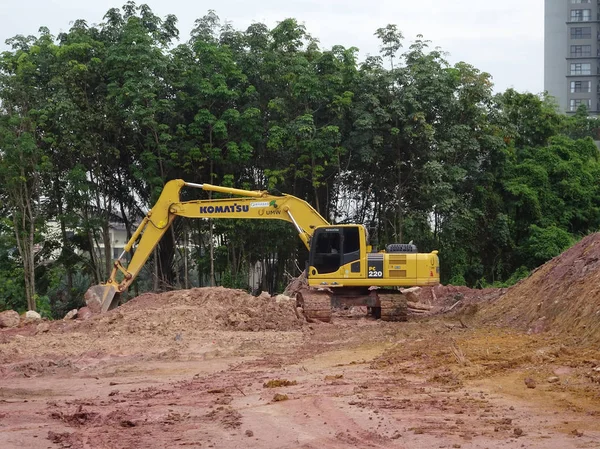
[581, 1]
[581, 15]
[581, 33]
[581, 69]
[581, 50]
[574, 104]
[581, 86]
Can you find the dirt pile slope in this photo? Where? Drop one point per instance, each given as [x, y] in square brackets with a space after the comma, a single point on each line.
[154, 325]
[447, 296]
[210, 308]
[561, 296]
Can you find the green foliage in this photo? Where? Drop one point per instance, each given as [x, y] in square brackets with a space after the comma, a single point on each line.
[238, 280]
[581, 125]
[545, 243]
[12, 287]
[61, 297]
[94, 121]
[521, 273]
[518, 275]
[457, 279]
[43, 306]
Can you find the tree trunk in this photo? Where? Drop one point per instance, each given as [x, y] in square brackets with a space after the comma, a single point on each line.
[211, 244]
[399, 212]
[186, 276]
[175, 261]
[67, 250]
[210, 230]
[108, 262]
[234, 267]
[155, 279]
[24, 217]
[129, 233]
[200, 246]
[94, 263]
[31, 267]
[28, 270]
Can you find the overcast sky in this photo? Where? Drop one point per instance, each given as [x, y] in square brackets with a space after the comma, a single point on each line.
[503, 38]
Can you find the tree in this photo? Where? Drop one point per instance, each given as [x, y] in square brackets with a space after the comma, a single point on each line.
[23, 162]
[94, 121]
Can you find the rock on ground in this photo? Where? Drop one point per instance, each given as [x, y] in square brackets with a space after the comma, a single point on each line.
[9, 318]
[42, 327]
[84, 313]
[412, 294]
[32, 315]
[70, 315]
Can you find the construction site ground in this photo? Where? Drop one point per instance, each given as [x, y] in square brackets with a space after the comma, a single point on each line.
[218, 368]
[356, 382]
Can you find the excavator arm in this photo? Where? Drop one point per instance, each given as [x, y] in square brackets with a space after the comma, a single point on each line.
[246, 204]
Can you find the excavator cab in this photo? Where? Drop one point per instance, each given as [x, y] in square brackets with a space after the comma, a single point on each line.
[341, 257]
[337, 250]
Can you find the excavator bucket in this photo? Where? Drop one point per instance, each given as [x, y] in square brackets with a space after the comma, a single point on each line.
[101, 298]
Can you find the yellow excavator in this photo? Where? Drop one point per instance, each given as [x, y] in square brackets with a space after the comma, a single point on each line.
[342, 269]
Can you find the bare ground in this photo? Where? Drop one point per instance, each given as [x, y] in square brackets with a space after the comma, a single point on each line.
[219, 368]
[435, 383]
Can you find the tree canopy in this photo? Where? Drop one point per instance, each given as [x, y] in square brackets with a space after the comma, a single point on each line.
[95, 120]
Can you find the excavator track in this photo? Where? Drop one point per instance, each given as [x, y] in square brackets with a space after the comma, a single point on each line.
[316, 304]
[393, 305]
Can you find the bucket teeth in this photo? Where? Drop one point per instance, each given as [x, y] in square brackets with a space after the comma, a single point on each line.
[101, 298]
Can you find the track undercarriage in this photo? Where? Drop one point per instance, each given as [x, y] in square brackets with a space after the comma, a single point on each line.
[384, 304]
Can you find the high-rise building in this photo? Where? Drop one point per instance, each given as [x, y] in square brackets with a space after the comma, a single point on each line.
[572, 53]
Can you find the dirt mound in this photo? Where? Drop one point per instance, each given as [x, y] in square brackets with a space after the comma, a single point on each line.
[450, 296]
[209, 308]
[158, 326]
[561, 296]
